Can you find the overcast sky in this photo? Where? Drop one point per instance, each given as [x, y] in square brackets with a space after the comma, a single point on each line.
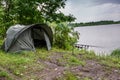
[93, 10]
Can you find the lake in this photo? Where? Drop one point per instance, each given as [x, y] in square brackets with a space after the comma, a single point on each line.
[103, 38]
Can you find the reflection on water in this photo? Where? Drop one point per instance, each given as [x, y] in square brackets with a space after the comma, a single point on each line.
[106, 37]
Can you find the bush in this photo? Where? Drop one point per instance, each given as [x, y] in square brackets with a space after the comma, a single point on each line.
[116, 53]
[64, 36]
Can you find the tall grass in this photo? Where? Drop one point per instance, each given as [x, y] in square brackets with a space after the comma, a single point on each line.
[116, 53]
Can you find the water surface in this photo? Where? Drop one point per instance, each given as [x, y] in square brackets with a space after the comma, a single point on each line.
[106, 38]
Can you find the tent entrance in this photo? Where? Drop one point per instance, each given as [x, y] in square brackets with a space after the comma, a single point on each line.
[39, 43]
[39, 38]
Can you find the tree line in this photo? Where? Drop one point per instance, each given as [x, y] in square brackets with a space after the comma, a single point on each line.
[95, 23]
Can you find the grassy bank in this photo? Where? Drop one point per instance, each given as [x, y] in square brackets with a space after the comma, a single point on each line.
[58, 64]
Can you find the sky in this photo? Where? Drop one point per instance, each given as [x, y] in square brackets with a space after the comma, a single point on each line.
[93, 10]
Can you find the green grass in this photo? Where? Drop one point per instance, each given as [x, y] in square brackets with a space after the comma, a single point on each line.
[19, 63]
[70, 76]
[110, 61]
[42, 53]
[24, 64]
[3, 74]
[116, 53]
[14, 62]
[67, 76]
[72, 60]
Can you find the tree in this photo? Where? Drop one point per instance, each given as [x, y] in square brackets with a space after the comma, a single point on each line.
[34, 11]
[31, 11]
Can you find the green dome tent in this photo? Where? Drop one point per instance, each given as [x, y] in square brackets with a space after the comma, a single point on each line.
[22, 37]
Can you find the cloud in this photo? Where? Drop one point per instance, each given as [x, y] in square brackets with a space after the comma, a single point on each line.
[107, 1]
[93, 2]
[90, 12]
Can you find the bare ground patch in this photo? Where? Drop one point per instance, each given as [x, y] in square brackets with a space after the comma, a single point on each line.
[96, 71]
[54, 68]
[92, 70]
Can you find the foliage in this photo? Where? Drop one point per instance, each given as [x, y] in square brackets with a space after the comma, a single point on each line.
[116, 53]
[64, 36]
[37, 11]
[30, 12]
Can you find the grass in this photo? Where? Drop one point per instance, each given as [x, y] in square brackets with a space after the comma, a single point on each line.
[72, 60]
[3, 74]
[110, 61]
[15, 63]
[67, 76]
[70, 76]
[25, 64]
[18, 64]
[116, 53]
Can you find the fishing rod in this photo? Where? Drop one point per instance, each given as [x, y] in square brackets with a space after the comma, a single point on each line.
[85, 46]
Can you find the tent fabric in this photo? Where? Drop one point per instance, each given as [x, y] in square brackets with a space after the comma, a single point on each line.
[11, 33]
[21, 37]
[47, 41]
[24, 42]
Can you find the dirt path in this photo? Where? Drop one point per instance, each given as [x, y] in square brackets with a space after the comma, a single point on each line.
[55, 69]
[96, 71]
[92, 69]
